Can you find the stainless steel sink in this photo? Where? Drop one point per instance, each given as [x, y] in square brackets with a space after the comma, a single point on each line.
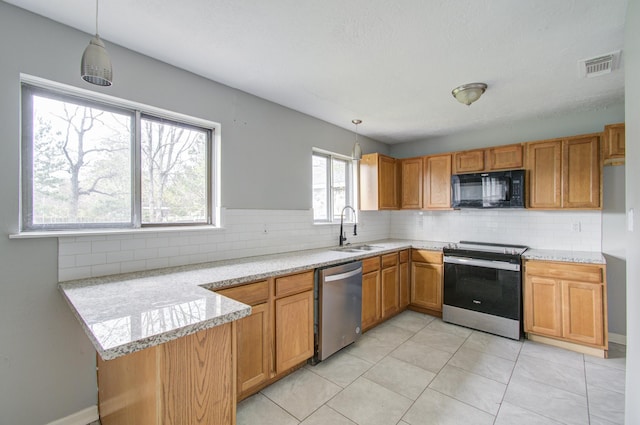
[356, 248]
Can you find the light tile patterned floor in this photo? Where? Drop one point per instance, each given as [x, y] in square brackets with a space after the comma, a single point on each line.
[416, 370]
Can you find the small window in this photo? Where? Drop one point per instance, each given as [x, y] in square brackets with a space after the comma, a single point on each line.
[89, 164]
[333, 187]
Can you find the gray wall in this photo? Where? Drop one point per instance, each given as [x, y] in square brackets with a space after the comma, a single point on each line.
[538, 128]
[632, 111]
[46, 361]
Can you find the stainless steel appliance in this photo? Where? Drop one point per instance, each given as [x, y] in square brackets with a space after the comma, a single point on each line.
[499, 189]
[338, 311]
[483, 287]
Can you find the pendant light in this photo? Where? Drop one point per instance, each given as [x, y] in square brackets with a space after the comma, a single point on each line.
[95, 67]
[469, 93]
[356, 154]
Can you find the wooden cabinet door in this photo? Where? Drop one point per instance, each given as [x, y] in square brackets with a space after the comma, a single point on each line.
[388, 183]
[411, 183]
[582, 312]
[254, 353]
[542, 306]
[468, 161]
[426, 285]
[545, 174]
[390, 291]
[505, 157]
[581, 172]
[370, 299]
[437, 182]
[294, 330]
[614, 144]
[404, 284]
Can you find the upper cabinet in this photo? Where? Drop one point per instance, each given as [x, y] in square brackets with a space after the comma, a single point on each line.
[378, 182]
[565, 173]
[437, 182]
[468, 161]
[496, 158]
[411, 183]
[613, 144]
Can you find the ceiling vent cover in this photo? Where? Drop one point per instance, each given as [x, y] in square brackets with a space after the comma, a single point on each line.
[600, 65]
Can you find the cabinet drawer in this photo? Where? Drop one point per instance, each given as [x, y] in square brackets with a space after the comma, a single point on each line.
[424, 256]
[404, 256]
[370, 264]
[294, 283]
[588, 273]
[389, 260]
[251, 293]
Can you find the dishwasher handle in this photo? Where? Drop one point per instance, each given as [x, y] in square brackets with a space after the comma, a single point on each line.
[341, 276]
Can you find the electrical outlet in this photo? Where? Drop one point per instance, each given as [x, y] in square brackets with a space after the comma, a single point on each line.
[265, 229]
[576, 226]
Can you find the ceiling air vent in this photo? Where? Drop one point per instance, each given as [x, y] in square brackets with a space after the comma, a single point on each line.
[600, 65]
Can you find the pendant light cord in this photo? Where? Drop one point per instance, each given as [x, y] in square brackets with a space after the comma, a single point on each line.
[96, 17]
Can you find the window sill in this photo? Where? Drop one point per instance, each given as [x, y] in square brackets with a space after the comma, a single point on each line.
[326, 223]
[106, 232]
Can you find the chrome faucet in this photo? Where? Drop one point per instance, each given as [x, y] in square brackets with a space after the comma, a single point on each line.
[343, 237]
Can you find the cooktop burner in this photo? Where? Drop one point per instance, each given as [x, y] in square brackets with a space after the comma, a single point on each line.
[493, 248]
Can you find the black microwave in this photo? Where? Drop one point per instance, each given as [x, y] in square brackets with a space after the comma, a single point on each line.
[498, 189]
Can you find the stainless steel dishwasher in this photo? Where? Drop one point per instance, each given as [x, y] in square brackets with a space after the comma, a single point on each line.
[338, 309]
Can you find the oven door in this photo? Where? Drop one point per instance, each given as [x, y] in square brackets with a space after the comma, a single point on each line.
[485, 286]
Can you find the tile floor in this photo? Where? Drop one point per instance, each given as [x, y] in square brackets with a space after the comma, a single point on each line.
[417, 370]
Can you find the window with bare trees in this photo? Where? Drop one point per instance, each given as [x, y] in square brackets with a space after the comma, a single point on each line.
[89, 164]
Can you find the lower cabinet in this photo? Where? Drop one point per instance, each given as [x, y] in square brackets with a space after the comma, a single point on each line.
[278, 335]
[426, 279]
[566, 301]
[371, 307]
[390, 285]
[404, 278]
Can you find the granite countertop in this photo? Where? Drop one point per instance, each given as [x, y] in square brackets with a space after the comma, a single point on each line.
[126, 313]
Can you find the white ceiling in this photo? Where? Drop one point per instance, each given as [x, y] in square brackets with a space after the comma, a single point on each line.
[391, 63]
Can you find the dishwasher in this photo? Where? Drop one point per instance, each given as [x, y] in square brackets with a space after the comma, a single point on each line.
[338, 308]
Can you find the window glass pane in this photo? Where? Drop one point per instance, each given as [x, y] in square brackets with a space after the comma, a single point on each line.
[320, 189]
[339, 188]
[81, 168]
[174, 173]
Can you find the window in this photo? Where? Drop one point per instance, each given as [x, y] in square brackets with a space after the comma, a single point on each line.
[333, 187]
[93, 164]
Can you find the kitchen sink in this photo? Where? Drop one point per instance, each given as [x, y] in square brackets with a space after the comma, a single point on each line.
[356, 248]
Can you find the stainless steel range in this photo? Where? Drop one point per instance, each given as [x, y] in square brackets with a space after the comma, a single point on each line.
[483, 287]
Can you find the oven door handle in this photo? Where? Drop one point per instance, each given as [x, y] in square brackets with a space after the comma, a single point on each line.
[489, 264]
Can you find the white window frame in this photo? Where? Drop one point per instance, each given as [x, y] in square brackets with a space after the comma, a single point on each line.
[351, 196]
[138, 110]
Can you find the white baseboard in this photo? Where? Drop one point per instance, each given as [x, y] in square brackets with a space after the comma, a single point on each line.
[617, 338]
[83, 417]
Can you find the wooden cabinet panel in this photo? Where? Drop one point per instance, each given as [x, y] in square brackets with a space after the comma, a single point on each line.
[370, 264]
[542, 306]
[251, 293]
[581, 173]
[411, 183]
[545, 174]
[468, 161]
[371, 308]
[505, 157]
[424, 256]
[189, 380]
[390, 291]
[403, 274]
[294, 330]
[614, 144]
[426, 285]
[294, 283]
[437, 182]
[378, 182]
[254, 349]
[582, 315]
[389, 260]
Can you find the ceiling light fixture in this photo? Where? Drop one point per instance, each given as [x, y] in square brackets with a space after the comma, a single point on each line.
[95, 67]
[469, 93]
[356, 154]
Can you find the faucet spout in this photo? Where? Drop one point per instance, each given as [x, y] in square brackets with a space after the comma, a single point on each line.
[343, 237]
